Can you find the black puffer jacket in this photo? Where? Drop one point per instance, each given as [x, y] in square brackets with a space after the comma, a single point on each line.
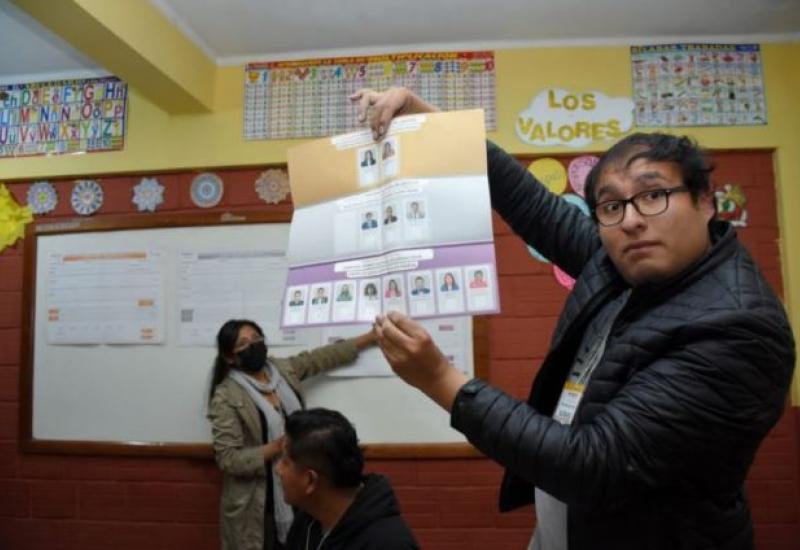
[695, 373]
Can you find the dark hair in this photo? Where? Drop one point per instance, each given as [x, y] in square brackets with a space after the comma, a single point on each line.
[226, 341]
[325, 441]
[682, 150]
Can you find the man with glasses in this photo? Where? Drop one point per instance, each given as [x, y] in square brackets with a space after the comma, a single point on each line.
[670, 362]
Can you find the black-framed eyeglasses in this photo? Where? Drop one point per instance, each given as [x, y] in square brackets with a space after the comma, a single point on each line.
[647, 203]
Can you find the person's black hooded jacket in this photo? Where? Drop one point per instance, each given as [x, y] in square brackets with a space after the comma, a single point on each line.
[373, 522]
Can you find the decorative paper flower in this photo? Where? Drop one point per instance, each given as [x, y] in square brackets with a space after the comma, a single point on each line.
[42, 197]
[87, 197]
[13, 218]
[732, 204]
[148, 194]
[578, 169]
[273, 185]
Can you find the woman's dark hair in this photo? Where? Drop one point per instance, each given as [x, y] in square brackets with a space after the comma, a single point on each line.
[691, 160]
[226, 341]
[325, 441]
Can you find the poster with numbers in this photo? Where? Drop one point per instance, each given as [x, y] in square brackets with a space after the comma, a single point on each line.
[298, 99]
[698, 85]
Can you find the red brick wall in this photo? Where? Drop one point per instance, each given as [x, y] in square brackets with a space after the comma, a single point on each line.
[80, 502]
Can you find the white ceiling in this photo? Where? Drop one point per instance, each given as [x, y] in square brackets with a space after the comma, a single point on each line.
[236, 31]
[29, 51]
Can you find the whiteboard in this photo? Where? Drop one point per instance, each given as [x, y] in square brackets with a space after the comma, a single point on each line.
[157, 394]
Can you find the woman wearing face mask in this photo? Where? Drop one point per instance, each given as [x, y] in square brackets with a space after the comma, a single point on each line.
[250, 397]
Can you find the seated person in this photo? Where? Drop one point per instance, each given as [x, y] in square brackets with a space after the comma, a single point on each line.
[419, 287]
[389, 217]
[369, 222]
[344, 294]
[297, 299]
[477, 280]
[321, 470]
[320, 298]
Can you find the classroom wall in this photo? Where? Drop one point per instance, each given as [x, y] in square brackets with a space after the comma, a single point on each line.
[157, 140]
[106, 502]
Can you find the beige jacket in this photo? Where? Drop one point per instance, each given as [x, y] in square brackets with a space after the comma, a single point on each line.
[236, 429]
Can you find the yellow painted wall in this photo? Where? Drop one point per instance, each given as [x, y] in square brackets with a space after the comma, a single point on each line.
[159, 141]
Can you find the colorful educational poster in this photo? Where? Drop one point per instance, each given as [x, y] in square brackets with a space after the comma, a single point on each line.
[68, 116]
[296, 99]
[106, 297]
[216, 285]
[698, 85]
[403, 224]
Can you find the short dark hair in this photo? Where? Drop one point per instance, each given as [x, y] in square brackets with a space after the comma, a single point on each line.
[691, 159]
[325, 441]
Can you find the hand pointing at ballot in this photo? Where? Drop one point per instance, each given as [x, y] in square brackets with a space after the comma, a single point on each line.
[414, 357]
[382, 107]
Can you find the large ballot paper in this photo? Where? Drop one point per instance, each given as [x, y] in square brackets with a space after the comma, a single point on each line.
[403, 224]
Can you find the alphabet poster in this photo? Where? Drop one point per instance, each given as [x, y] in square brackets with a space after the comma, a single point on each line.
[698, 85]
[68, 116]
[296, 99]
[403, 224]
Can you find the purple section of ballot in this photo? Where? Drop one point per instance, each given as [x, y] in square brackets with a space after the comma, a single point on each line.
[456, 280]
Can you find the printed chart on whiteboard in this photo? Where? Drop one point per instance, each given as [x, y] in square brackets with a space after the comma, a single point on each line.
[106, 297]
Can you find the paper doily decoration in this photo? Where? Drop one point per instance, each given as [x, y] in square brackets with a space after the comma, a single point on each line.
[87, 197]
[207, 190]
[578, 169]
[273, 185]
[148, 194]
[42, 197]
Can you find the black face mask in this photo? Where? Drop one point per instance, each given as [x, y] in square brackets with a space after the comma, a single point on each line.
[253, 357]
